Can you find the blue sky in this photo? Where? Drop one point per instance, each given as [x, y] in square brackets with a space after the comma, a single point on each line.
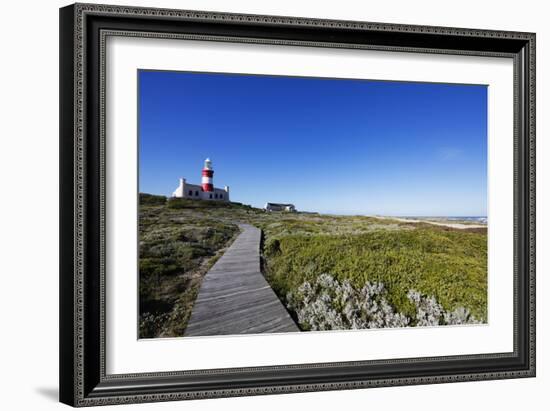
[326, 145]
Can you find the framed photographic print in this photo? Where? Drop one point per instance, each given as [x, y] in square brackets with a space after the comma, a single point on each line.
[262, 204]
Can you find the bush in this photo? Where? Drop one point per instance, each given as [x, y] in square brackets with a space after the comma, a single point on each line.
[151, 199]
[151, 325]
[272, 247]
[451, 266]
[179, 203]
[327, 304]
[176, 247]
[187, 203]
[330, 305]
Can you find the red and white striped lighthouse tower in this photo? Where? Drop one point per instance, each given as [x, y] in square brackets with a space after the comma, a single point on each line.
[207, 176]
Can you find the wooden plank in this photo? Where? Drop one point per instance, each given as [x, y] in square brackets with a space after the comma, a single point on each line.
[235, 298]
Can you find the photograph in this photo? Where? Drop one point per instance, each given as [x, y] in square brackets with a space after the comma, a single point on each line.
[257, 201]
[284, 204]
[292, 201]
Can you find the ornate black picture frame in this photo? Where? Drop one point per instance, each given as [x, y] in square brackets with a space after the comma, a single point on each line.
[83, 30]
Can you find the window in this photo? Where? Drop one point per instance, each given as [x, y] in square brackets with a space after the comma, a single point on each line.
[196, 193]
[210, 195]
[215, 196]
[190, 192]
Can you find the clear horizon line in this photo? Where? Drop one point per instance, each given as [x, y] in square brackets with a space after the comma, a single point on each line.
[365, 214]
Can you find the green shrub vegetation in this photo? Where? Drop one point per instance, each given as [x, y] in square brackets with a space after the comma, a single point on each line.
[450, 265]
[151, 199]
[180, 240]
[174, 254]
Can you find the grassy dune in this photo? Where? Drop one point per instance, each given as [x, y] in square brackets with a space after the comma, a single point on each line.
[181, 239]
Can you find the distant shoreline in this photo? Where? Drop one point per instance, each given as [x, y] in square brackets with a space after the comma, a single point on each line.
[458, 222]
[452, 222]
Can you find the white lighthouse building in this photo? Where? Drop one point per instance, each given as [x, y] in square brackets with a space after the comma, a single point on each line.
[204, 191]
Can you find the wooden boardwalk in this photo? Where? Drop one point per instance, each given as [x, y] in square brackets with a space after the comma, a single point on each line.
[235, 298]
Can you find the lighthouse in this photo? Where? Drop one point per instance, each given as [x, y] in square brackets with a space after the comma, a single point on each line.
[203, 191]
[207, 176]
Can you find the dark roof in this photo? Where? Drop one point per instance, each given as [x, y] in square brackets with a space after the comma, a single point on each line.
[280, 204]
